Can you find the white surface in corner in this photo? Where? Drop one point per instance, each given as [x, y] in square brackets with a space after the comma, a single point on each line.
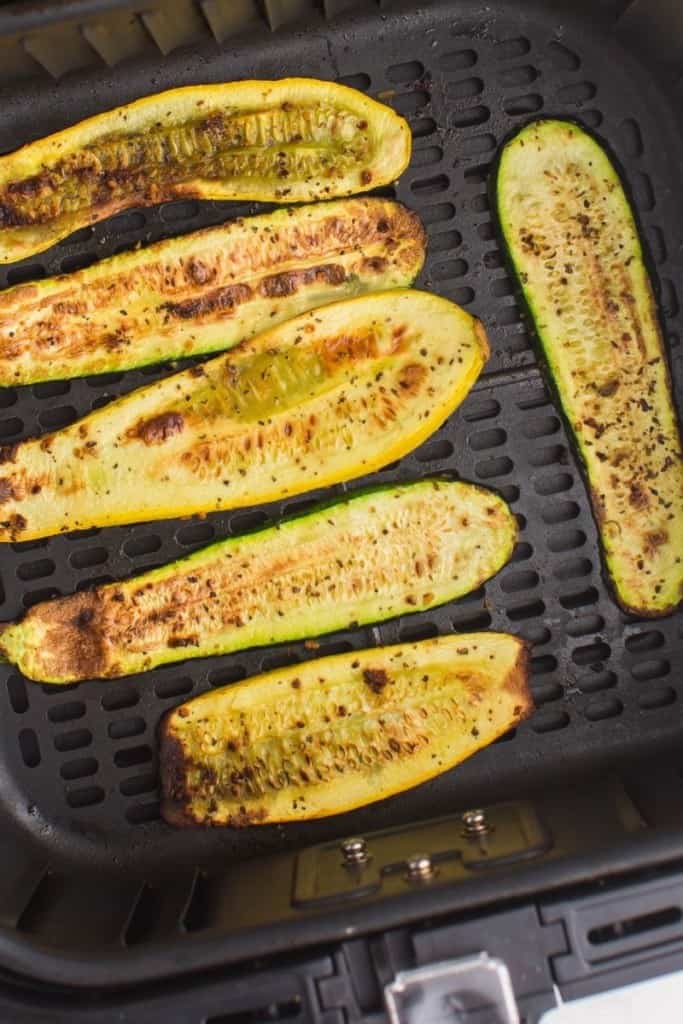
[659, 999]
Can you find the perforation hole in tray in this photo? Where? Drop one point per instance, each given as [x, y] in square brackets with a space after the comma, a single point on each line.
[556, 512]
[508, 49]
[437, 213]
[657, 697]
[644, 641]
[471, 621]
[435, 451]
[128, 757]
[444, 240]
[579, 598]
[124, 728]
[84, 796]
[73, 739]
[523, 579]
[226, 674]
[170, 688]
[78, 768]
[523, 105]
[603, 707]
[120, 697]
[427, 155]
[470, 117]
[18, 697]
[575, 94]
[547, 692]
[29, 747]
[136, 785]
[596, 681]
[66, 712]
[423, 127]
[141, 814]
[653, 668]
[549, 720]
[584, 625]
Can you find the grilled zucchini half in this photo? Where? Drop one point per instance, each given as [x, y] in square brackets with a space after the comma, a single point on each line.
[574, 245]
[328, 396]
[205, 291]
[378, 554]
[292, 140]
[336, 733]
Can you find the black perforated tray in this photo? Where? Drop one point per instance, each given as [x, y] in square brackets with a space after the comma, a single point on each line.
[79, 763]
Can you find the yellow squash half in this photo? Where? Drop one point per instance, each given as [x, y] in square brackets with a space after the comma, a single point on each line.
[380, 553]
[332, 734]
[292, 140]
[205, 291]
[328, 396]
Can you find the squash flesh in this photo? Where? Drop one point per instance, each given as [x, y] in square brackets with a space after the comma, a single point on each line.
[379, 554]
[574, 244]
[332, 734]
[292, 140]
[205, 291]
[328, 396]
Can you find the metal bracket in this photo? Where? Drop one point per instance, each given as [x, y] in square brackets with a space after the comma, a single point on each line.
[476, 988]
[428, 853]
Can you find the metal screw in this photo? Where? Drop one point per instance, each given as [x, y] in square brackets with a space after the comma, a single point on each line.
[355, 850]
[420, 867]
[475, 822]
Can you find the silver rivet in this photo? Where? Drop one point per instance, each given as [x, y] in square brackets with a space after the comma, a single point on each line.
[355, 850]
[420, 867]
[475, 822]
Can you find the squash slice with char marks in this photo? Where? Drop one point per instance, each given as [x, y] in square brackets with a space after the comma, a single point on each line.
[574, 245]
[206, 291]
[336, 733]
[375, 555]
[328, 396]
[292, 140]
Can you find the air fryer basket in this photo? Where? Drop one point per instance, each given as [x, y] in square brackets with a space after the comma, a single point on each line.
[79, 800]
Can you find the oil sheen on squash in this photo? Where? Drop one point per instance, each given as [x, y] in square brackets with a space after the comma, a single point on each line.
[575, 248]
[375, 555]
[206, 291]
[335, 733]
[330, 395]
[292, 140]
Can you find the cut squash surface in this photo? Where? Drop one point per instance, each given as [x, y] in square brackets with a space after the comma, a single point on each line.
[572, 239]
[291, 140]
[330, 395]
[205, 291]
[378, 554]
[332, 734]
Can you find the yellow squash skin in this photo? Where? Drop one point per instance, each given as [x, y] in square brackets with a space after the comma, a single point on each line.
[330, 395]
[293, 140]
[332, 734]
[205, 291]
[574, 244]
[367, 558]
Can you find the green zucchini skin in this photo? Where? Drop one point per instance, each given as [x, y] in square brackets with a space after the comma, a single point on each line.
[381, 553]
[572, 242]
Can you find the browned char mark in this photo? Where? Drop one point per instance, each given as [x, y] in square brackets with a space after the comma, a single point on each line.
[376, 679]
[411, 377]
[348, 348]
[159, 428]
[517, 683]
[288, 282]
[220, 300]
